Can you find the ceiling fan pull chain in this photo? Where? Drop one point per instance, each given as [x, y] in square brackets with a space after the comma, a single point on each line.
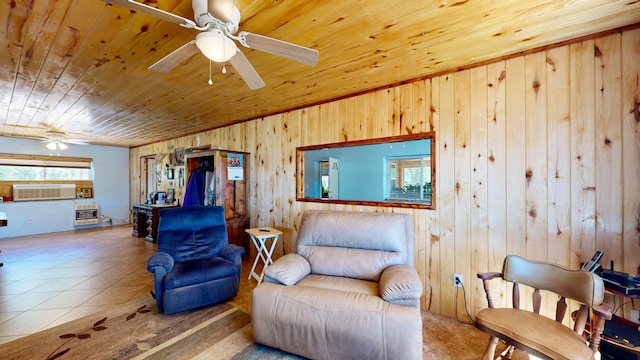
[224, 68]
[210, 81]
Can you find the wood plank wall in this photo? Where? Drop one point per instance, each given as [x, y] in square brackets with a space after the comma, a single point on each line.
[537, 155]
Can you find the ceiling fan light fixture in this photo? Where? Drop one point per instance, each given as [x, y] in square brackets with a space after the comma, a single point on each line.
[215, 45]
[52, 146]
[62, 146]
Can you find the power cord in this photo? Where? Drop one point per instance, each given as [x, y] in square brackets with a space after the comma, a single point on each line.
[464, 298]
[632, 302]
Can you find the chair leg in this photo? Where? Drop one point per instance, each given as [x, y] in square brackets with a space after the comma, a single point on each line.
[510, 352]
[490, 352]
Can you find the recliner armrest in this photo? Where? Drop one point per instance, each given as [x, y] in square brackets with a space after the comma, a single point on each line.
[400, 282]
[230, 251]
[160, 259]
[288, 269]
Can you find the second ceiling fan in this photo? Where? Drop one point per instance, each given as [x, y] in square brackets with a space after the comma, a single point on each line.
[218, 21]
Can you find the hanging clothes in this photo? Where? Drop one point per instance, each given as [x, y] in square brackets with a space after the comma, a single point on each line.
[208, 188]
[194, 194]
[199, 190]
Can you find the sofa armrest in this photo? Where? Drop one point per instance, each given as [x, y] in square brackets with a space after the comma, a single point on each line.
[160, 264]
[160, 259]
[230, 251]
[234, 254]
[288, 269]
[399, 283]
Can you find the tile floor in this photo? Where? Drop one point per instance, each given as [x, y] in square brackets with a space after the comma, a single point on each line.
[51, 279]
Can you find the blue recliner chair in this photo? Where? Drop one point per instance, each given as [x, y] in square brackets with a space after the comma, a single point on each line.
[195, 265]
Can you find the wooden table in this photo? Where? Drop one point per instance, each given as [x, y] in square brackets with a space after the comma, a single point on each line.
[145, 220]
[259, 237]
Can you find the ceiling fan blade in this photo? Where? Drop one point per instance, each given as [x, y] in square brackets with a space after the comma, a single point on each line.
[176, 57]
[278, 47]
[221, 9]
[161, 14]
[75, 141]
[246, 71]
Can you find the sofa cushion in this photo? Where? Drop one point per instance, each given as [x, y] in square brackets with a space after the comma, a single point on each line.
[198, 271]
[353, 244]
[288, 270]
[341, 283]
[193, 232]
[331, 324]
[188, 245]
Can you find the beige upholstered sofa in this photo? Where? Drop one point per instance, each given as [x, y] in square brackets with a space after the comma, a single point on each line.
[349, 292]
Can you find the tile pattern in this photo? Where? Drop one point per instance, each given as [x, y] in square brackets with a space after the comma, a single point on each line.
[51, 279]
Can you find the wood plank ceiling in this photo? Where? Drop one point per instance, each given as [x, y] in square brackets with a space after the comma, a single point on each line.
[80, 66]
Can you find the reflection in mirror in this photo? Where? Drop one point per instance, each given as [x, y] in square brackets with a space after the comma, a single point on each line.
[396, 171]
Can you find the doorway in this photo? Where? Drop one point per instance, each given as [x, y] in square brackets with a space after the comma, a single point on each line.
[148, 177]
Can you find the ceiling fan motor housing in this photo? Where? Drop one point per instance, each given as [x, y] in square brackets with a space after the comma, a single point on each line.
[201, 13]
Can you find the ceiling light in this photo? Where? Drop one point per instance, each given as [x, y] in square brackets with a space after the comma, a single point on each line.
[215, 45]
[56, 146]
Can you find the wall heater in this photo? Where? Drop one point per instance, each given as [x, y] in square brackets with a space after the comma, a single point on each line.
[85, 214]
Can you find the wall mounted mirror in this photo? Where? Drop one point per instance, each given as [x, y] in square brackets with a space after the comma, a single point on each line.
[395, 171]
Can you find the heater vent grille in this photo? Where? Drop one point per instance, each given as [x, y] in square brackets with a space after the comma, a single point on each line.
[85, 214]
[26, 192]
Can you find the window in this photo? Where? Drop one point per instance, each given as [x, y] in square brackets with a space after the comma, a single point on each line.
[409, 178]
[42, 168]
[66, 172]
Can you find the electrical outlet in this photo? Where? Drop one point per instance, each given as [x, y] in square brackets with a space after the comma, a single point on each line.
[457, 280]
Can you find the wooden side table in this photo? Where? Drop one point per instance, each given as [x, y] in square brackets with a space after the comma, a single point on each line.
[260, 237]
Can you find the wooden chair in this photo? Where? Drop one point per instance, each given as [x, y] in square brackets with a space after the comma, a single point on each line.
[537, 334]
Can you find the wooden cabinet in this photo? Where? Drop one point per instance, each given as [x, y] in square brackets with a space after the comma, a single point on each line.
[145, 221]
[229, 173]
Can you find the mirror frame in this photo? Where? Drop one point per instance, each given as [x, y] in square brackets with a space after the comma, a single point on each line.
[420, 136]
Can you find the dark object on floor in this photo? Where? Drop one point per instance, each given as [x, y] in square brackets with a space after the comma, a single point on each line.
[537, 334]
[195, 265]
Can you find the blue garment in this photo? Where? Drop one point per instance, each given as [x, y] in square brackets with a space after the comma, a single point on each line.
[194, 193]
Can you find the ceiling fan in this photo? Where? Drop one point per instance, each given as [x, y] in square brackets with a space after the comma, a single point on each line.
[218, 21]
[56, 141]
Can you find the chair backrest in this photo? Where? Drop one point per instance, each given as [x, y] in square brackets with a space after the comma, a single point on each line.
[192, 232]
[355, 244]
[534, 333]
[584, 287]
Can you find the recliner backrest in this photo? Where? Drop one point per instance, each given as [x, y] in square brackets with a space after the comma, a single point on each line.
[192, 232]
[355, 244]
